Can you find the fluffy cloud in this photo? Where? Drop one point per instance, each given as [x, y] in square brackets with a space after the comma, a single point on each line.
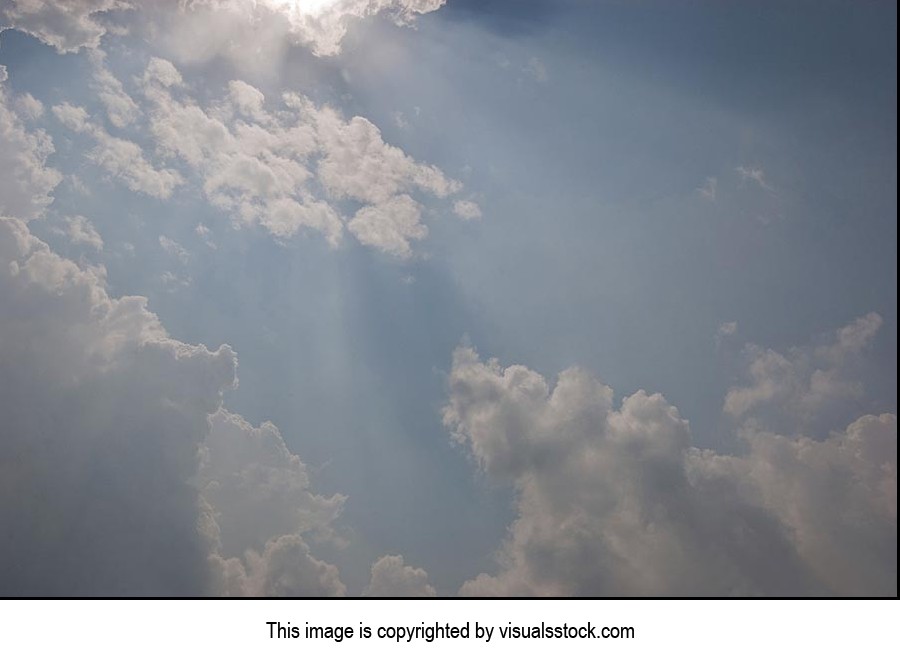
[319, 25]
[260, 509]
[390, 225]
[837, 497]
[615, 500]
[120, 474]
[121, 158]
[807, 386]
[272, 167]
[29, 107]
[391, 577]
[81, 232]
[68, 26]
[467, 210]
[174, 249]
[120, 107]
[27, 180]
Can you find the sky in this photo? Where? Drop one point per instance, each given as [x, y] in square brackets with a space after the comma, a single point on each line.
[463, 297]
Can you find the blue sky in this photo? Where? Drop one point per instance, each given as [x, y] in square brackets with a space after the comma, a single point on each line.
[696, 199]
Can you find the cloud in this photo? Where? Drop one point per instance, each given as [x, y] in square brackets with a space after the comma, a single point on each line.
[357, 163]
[29, 107]
[319, 26]
[797, 388]
[174, 249]
[615, 500]
[390, 225]
[67, 26]
[120, 473]
[391, 577]
[82, 232]
[27, 181]
[121, 158]
[204, 28]
[286, 568]
[837, 497]
[290, 167]
[537, 70]
[708, 189]
[120, 107]
[260, 509]
[205, 234]
[467, 210]
[754, 174]
[725, 331]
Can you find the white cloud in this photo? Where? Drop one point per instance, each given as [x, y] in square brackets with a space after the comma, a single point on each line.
[82, 232]
[201, 29]
[78, 186]
[708, 189]
[115, 478]
[269, 25]
[391, 577]
[615, 501]
[174, 282]
[357, 163]
[725, 331]
[174, 249]
[271, 166]
[837, 497]
[467, 210]
[285, 568]
[787, 390]
[120, 107]
[260, 509]
[390, 225]
[68, 26]
[102, 415]
[27, 181]
[205, 235]
[121, 158]
[29, 107]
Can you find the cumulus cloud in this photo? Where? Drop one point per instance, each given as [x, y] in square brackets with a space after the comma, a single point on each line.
[68, 26]
[391, 577]
[274, 24]
[204, 28]
[390, 225]
[27, 181]
[121, 474]
[805, 384]
[29, 107]
[120, 107]
[467, 210]
[260, 508]
[122, 159]
[614, 500]
[81, 232]
[290, 166]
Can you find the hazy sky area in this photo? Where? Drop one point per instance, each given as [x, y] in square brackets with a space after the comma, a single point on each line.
[478, 297]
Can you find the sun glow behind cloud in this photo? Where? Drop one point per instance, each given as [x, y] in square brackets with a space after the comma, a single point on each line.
[307, 7]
